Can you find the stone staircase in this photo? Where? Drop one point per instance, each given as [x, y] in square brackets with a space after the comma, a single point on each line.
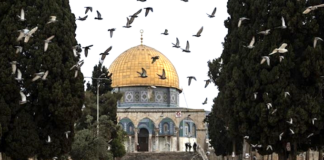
[162, 156]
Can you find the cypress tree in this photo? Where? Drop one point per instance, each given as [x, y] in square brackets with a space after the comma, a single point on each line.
[265, 98]
[53, 104]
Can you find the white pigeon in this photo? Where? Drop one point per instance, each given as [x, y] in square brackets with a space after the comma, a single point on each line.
[75, 50]
[67, 134]
[254, 145]
[52, 19]
[287, 94]
[260, 145]
[48, 139]
[265, 58]
[312, 8]
[23, 98]
[269, 147]
[44, 77]
[30, 34]
[313, 120]
[291, 131]
[77, 66]
[290, 121]
[281, 58]
[269, 105]
[266, 32]
[22, 15]
[47, 41]
[21, 35]
[14, 66]
[280, 136]
[38, 76]
[281, 49]
[19, 76]
[19, 49]
[246, 137]
[283, 24]
[240, 21]
[251, 45]
[274, 111]
[255, 95]
[310, 135]
[315, 41]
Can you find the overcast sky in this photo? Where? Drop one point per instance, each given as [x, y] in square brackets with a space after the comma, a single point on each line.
[182, 19]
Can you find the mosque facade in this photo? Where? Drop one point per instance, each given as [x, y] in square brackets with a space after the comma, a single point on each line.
[149, 110]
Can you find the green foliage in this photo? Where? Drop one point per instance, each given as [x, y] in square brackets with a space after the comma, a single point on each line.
[241, 75]
[53, 105]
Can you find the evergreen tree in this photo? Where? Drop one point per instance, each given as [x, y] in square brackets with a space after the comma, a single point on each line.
[105, 83]
[264, 98]
[53, 104]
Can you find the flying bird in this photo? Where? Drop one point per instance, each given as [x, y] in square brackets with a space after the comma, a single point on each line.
[67, 134]
[22, 15]
[213, 14]
[111, 31]
[127, 24]
[86, 50]
[23, 98]
[48, 139]
[22, 34]
[38, 76]
[83, 18]
[19, 49]
[30, 34]
[187, 48]
[142, 0]
[190, 78]
[251, 45]
[313, 120]
[274, 111]
[265, 58]
[199, 32]
[312, 8]
[76, 50]
[143, 73]
[185, 0]
[52, 19]
[241, 20]
[281, 49]
[290, 121]
[205, 102]
[103, 55]
[177, 44]
[310, 135]
[136, 14]
[207, 82]
[165, 32]
[280, 136]
[98, 16]
[286, 94]
[269, 147]
[266, 32]
[255, 95]
[283, 24]
[147, 10]
[77, 66]
[19, 75]
[246, 137]
[47, 41]
[291, 131]
[13, 66]
[163, 74]
[315, 41]
[269, 105]
[154, 58]
[88, 9]
[281, 58]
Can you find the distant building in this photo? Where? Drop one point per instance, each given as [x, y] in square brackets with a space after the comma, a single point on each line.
[149, 110]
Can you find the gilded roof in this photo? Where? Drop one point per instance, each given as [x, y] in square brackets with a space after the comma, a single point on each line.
[127, 64]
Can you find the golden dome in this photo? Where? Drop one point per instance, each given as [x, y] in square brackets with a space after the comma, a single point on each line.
[127, 64]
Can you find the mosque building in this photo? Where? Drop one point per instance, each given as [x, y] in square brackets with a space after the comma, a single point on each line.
[149, 110]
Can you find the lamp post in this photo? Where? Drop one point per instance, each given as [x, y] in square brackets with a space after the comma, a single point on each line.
[98, 85]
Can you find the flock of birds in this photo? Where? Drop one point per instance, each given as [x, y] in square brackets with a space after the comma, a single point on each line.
[280, 50]
[130, 20]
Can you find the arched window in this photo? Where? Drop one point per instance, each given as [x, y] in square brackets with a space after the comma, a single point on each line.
[165, 128]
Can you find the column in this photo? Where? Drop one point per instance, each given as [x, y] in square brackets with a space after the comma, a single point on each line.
[157, 130]
[177, 133]
[150, 143]
[130, 144]
[135, 139]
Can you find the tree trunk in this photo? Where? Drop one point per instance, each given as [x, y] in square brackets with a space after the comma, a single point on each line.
[320, 154]
[307, 154]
